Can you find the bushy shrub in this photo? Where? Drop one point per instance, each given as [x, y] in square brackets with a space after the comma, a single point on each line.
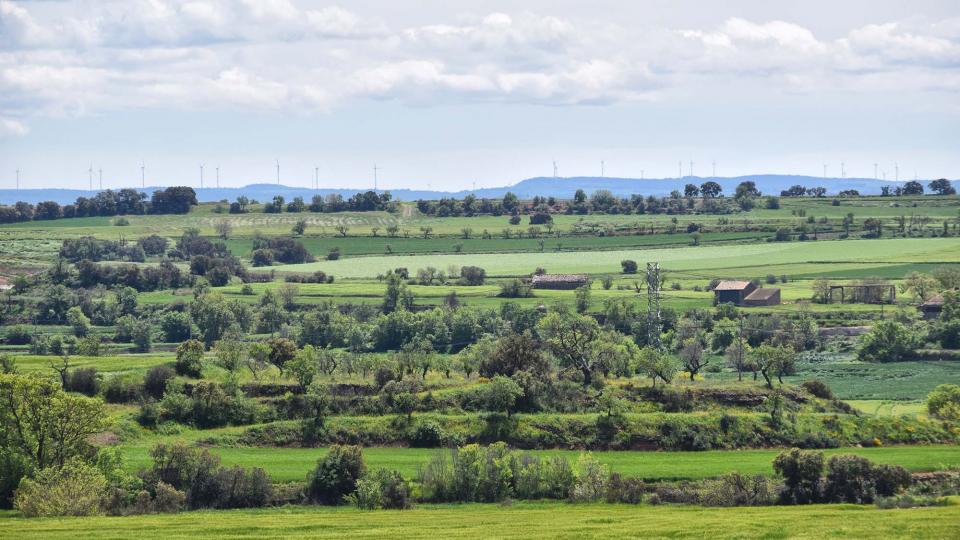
[889, 480]
[336, 475]
[591, 480]
[155, 381]
[736, 489]
[198, 474]
[19, 335]
[83, 380]
[624, 490]
[13, 467]
[367, 496]
[383, 375]
[888, 341]
[849, 479]
[818, 388]
[944, 402]
[801, 471]
[122, 389]
[426, 434]
[515, 288]
[176, 326]
[208, 406]
[76, 489]
[394, 490]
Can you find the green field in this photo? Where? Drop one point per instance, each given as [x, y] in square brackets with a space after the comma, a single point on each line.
[850, 379]
[519, 520]
[719, 260]
[292, 464]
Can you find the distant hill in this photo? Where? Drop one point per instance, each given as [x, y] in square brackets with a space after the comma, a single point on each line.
[546, 186]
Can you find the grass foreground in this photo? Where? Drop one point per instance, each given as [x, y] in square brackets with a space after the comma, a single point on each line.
[519, 520]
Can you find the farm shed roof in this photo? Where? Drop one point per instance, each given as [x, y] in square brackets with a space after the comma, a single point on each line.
[934, 301]
[763, 294]
[560, 278]
[732, 285]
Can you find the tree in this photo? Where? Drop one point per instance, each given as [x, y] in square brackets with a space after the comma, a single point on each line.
[45, 424]
[569, 337]
[471, 358]
[773, 361]
[941, 186]
[583, 298]
[190, 358]
[921, 285]
[223, 227]
[299, 227]
[691, 190]
[710, 190]
[176, 326]
[692, 356]
[142, 335]
[79, 321]
[173, 200]
[282, 350]
[501, 394]
[913, 188]
[397, 296]
[747, 188]
[656, 365]
[738, 356]
[821, 290]
[513, 352]
[888, 341]
[629, 266]
[230, 353]
[304, 366]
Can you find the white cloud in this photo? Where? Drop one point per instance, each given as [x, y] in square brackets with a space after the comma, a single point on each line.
[274, 54]
[11, 127]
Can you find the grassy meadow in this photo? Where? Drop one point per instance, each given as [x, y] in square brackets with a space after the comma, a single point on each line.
[517, 520]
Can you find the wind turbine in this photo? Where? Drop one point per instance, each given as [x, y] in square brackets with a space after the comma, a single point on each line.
[90, 176]
[601, 168]
[316, 177]
[554, 168]
[143, 174]
[218, 177]
[896, 175]
[201, 176]
[824, 170]
[843, 170]
[278, 172]
[375, 169]
[101, 178]
[18, 179]
[691, 168]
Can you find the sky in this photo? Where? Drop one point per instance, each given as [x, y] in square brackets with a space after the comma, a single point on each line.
[455, 94]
